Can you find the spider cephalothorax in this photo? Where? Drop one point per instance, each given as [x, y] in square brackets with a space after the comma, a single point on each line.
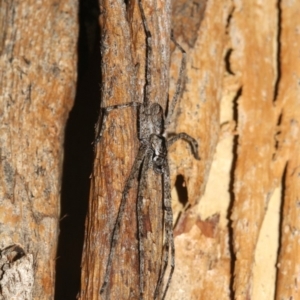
[150, 120]
[153, 153]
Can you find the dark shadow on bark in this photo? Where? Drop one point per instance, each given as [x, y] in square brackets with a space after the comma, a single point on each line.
[78, 155]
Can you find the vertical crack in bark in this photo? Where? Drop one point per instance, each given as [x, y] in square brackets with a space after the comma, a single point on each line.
[78, 153]
[229, 18]
[278, 65]
[276, 136]
[227, 61]
[280, 226]
[231, 190]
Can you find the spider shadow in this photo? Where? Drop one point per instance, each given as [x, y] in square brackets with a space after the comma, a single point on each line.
[78, 155]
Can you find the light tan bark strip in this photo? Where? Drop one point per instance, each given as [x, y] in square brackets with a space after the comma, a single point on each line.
[253, 32]
[289, 95]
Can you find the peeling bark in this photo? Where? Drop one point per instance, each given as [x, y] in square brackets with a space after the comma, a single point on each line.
[202, 262]
[240, 101]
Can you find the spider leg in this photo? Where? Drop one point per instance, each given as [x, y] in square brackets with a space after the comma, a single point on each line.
[105, 113]
[115, 236]
[148, 70]
[142, 187]
[183, 136]
[169, 239]
[179, 83]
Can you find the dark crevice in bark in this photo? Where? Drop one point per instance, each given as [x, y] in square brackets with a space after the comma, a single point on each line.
[229, 18]
[181, 190]
[231, 191]
[78, 155]
[227, 61]
[280, 229]
[278, 65]
[277, 133]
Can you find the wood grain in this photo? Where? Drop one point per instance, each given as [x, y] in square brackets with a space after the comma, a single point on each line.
[123, 51]
[37, 87]
[288, 95]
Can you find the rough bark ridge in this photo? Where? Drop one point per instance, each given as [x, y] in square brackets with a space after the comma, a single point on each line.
[37, 84]
[123, 53]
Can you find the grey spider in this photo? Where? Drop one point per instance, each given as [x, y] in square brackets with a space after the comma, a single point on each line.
[152, 153]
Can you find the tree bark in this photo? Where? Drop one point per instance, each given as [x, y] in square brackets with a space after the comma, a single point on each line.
[288, 98]
[236, 207]
[37, 85]
[123, 52]
[201, 244]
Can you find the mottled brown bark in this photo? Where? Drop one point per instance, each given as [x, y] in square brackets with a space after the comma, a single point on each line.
[37, 84]
[289, 97]
[240, 102]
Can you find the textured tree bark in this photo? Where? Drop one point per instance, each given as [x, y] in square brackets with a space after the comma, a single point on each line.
[253, 150]
[268, 116]
[123, 52]
[289, 97]
[202, 259]
[254, 63]
[240, 102]
[37, 85]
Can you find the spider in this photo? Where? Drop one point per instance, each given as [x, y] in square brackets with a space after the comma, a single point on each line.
[152, 153]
